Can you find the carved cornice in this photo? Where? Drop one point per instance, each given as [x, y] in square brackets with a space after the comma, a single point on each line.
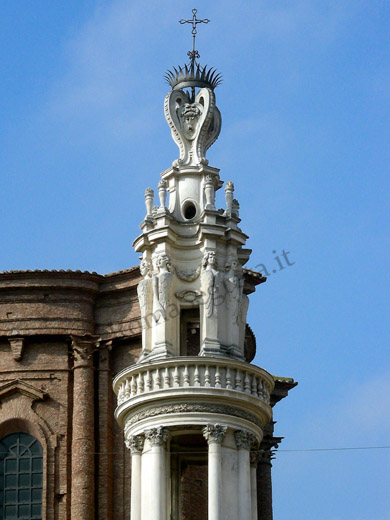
[17, 386]
[157, 436]
[214, 433]
[135, 443]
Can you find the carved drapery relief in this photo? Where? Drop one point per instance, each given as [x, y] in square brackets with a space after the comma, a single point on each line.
[157, 436]
[194, 126]
[214, 433]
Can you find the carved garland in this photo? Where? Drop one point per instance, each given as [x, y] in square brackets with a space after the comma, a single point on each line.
[188, 408]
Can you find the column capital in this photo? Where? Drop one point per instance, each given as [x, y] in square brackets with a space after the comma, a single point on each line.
[135, 443]
[255, 457]
[82, 350]
[157, 436]
[214, 433]
[265, 457]
[244, 440]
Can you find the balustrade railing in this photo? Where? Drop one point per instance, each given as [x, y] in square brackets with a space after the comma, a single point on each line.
[181, 374]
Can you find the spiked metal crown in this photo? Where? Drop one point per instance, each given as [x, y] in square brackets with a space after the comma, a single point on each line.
[193, 75]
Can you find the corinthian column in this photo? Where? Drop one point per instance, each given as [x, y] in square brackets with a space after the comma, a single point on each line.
[244, 441]
[154, 478]
[214, 434]
[136, 444]
[83, 443]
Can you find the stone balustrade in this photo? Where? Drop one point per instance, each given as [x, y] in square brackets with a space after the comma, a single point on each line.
[193, 373]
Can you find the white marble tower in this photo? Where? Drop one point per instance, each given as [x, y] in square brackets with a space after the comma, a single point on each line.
[193, 398]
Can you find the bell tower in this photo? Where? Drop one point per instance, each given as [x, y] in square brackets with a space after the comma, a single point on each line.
[193, 408]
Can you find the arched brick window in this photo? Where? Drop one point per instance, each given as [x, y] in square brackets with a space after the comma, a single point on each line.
[21, 472]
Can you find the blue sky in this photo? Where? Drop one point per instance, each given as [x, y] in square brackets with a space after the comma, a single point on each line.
[305, 138]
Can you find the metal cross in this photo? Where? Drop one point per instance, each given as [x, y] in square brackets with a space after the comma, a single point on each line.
[194, 21]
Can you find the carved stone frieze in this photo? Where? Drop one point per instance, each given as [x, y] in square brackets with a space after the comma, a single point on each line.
[188, 408]
[157, 436]
[214, 433]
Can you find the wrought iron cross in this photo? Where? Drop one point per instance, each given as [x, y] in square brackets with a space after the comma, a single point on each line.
[194, 21]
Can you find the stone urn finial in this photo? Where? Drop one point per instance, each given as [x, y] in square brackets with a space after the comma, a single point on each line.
[149, 197]
[162, 193]
[229, 190]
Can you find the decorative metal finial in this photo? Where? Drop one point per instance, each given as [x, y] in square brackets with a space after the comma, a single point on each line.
[194, 21]
[193, 75]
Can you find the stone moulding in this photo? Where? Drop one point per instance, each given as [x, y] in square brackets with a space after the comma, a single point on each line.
[20, 387]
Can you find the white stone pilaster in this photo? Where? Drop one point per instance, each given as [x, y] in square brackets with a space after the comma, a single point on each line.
[214, 435]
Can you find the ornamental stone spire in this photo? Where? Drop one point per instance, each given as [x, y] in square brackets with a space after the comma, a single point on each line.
[192, 253]
[193, 398]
